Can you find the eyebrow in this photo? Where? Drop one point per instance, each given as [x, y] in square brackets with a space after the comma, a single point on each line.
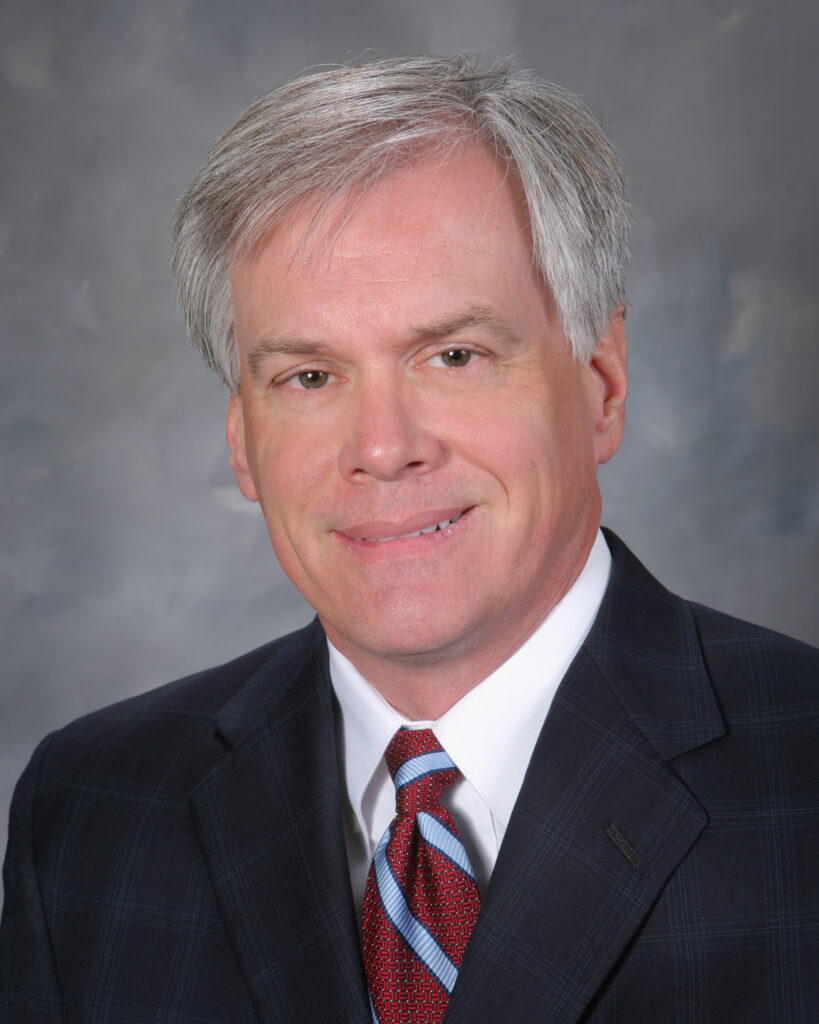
[274, 346]
[474, 316]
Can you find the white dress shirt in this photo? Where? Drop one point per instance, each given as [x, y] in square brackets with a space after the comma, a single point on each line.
[490, 733]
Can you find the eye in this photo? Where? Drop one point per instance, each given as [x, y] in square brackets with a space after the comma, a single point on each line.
[456, 357]
[310, 379]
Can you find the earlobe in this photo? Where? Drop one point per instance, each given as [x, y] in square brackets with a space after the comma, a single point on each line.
[235, 434]
[608, 366]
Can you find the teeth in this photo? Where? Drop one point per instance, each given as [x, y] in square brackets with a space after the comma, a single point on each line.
[417, 533]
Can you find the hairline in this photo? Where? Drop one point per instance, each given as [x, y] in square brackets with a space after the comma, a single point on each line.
[351, 197]
[566, 170]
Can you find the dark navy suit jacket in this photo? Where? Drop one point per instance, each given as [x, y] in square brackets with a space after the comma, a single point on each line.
[180, 857]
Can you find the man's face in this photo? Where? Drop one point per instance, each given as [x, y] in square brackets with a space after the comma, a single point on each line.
[413, 376]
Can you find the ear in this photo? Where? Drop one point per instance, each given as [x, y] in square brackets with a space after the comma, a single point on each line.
[235, 433]
[609, 387]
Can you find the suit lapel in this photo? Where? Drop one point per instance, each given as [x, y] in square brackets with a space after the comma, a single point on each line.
[602, 820]
[269, 823]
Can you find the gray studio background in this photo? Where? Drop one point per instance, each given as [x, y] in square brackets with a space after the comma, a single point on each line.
[127, 556]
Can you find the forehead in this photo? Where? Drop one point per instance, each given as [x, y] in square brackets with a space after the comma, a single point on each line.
[465, 196]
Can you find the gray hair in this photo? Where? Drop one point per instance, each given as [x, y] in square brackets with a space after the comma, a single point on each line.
[336, 133]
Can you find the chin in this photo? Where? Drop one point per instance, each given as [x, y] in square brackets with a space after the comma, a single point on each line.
[407, 639]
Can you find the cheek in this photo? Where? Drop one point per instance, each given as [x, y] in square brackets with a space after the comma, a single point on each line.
[517, 431]
[516, 455]
[289, 469]
[541, 452]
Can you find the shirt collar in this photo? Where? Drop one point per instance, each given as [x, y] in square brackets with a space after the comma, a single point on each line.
[490, 733]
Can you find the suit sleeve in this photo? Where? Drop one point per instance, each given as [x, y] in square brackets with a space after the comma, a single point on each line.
[29, 983]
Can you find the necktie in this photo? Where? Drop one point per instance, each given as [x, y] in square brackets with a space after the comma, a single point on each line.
[421, 899]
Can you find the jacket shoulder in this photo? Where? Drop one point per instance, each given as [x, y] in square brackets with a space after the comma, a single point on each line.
[133, 736]
[760, 660]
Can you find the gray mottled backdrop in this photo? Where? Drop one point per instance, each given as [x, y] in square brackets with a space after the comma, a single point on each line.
[127, 557]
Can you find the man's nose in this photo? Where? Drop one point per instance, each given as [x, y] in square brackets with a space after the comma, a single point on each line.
[386, 433]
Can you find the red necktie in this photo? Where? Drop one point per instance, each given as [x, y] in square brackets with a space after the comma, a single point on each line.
[421, 899]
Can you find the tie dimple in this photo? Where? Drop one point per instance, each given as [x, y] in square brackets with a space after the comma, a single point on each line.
[421, 899]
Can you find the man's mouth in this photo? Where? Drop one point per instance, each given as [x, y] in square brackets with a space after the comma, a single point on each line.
[432, 528]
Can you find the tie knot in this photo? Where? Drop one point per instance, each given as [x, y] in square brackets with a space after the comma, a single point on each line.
[420, 769]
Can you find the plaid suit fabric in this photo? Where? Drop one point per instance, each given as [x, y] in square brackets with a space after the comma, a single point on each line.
[180, 857]
[121, 905]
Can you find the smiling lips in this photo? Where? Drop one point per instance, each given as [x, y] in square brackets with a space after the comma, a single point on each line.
[432, 528]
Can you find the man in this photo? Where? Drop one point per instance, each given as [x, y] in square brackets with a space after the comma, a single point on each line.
[410, 274]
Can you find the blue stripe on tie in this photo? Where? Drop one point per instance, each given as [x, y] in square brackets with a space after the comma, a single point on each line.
[415, 767]
[372, 1010]
[436, 834]
[414, 933]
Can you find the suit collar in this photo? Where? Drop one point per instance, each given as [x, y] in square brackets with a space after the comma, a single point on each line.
[269, 825]
[646, 643]
[602, 820]
[272, 688]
